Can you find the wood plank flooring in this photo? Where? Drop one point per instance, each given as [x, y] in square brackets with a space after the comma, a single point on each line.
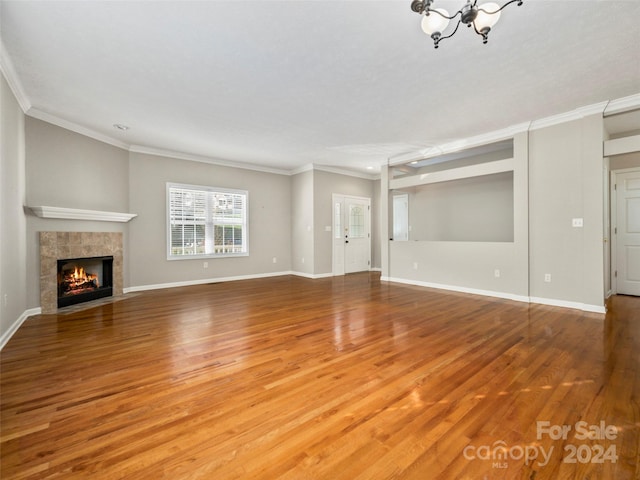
[337, 378]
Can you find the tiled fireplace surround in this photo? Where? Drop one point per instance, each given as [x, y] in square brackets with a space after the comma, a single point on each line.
[56, 246]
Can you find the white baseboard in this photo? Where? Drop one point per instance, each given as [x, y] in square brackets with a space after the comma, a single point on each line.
[585, 307]
[188, 283]
[6, 336]
[509, 296]
[455, 288]
[313, 276]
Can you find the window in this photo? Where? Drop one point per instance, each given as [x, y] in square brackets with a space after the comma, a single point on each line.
[206, 221]
[356, 221]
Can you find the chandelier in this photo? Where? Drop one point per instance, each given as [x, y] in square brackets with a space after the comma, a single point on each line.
[481, 17]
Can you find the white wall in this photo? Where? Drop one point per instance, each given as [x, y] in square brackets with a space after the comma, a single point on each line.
[13, 244]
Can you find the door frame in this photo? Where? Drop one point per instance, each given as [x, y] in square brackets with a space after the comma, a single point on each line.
[613, 216]
[335, 270]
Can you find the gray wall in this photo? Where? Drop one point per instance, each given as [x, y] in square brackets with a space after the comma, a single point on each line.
[566, 182]
[13, 245]
[66, 169]
[628, 160]
[269, 221]
[471, 265]
[478, 209]
[325, 184]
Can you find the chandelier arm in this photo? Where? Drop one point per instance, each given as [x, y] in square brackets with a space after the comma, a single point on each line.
[501, 8]
[484, 33]
[430, 10]
[452, 33]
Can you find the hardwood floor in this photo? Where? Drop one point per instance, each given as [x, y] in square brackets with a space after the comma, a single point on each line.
[337, 378]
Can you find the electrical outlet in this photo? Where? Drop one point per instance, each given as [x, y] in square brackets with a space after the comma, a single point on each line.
[205, 265]
[547, 277]
[6, 299]
[496, 273]
[577, 222]
[415, 265]
[275, 260]
[302, 260]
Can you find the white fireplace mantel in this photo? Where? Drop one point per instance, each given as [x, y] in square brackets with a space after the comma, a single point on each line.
[78, 214]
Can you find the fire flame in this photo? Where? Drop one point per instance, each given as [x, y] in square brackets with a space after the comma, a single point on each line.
[79, 279]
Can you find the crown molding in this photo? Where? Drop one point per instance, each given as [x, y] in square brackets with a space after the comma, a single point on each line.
[74, 127]
[624, 104]
[342, 171]
[202, 159]
[9, 72]
[329, 169]
[577, 114]
[304, 168]
[605, 108]
[461, 144]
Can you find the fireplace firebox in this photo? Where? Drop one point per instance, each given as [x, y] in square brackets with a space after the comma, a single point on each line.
[84, 279]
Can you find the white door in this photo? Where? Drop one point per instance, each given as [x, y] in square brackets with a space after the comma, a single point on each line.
[627, 231]
[351, 234]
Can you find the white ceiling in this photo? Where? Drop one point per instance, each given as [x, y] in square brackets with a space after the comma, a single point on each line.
[282, 84]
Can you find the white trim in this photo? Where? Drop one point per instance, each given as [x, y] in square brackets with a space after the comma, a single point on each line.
[304, 168]
[455, 288]
[563, 303]
[312, 276]
[159, 152]
[341, 171]
[6, 336]
[620, 146]
[209, 221]
[309, 167]
[9, 72]
[613, 227]
[508, 296]
[204, 281]
[470, 171]
[460, 145]
[78, 214]
[621, 105]
[606, 108]
[75, 127]
[577, 114]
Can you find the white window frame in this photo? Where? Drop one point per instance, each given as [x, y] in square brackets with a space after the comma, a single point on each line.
[208, 190]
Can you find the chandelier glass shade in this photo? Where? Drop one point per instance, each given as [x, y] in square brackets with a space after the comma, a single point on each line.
[436, 20]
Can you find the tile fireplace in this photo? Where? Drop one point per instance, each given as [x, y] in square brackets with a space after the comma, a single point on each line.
[79, 266]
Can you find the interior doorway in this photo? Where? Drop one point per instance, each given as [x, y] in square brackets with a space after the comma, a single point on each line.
[351, 234]
[625, 217]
